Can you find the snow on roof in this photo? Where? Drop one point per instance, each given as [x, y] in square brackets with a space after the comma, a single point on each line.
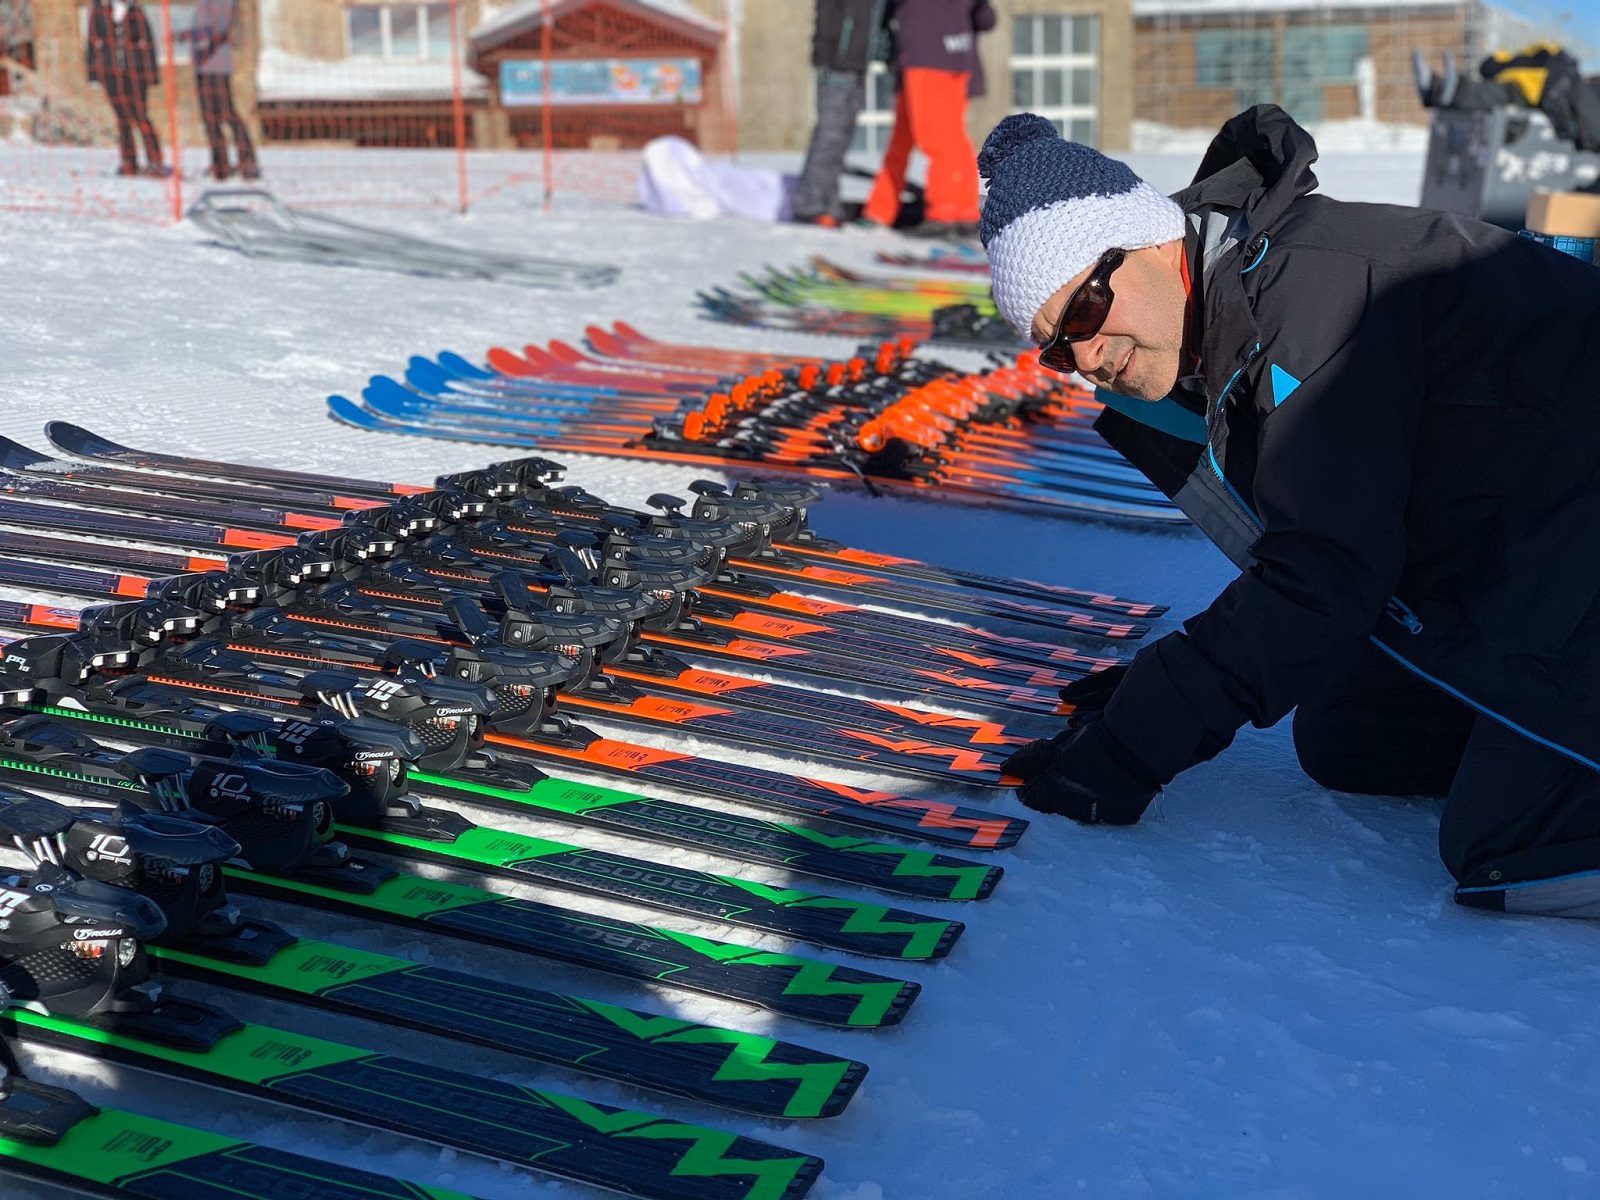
[521, 10]
[284, 76]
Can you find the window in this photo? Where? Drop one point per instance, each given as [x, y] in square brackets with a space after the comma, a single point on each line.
[1246, 61]
[1238, 59]
[877, 114]
[366, 33]
[400, 32]
[1315, 56]
[1055, 72]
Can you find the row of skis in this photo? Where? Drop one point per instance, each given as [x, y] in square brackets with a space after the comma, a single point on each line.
[960, 257]
[826, 298]
[1012, 436]
[279, 686]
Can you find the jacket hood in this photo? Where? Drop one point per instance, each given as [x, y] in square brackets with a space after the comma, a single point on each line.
[1259, 163]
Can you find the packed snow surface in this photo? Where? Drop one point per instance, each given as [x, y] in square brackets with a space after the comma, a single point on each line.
[1263, 990]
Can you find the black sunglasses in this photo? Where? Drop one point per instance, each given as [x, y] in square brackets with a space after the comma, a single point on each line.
[1083, 314]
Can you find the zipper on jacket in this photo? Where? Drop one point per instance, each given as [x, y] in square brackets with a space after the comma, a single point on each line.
[1398, 610]
[846, 28]
[1211, 453]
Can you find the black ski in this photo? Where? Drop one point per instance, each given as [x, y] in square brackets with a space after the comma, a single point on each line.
[445, 837]
[664, 1054]
[841, 804]
[116, 1154]
[950, 582]
[806, 989]
[635, 1153]
[226, 484]
[140, 715]
[799, 987]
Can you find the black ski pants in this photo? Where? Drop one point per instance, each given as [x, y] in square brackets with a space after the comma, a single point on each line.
[1515, 812]
[219, 115]
[128, 102]
[840, 96]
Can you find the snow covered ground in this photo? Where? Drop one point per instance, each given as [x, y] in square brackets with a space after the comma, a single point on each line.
[1264, 990]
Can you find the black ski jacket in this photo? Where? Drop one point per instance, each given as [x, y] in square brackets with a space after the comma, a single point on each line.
[121, 55]
[943, 35]
[1400, 441]
[846, 34]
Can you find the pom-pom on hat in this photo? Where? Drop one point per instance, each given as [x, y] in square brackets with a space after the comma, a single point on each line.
[1054, 207]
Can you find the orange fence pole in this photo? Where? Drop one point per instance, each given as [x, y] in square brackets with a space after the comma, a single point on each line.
[549, 151]
[460, 103]
[175, 180]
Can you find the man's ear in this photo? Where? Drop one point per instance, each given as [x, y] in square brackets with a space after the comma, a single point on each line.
[1170, 253]
[1048, 327]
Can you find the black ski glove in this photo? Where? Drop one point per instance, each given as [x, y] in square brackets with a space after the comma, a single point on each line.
[1035, 757]
[1091, 777]
[1086, 698]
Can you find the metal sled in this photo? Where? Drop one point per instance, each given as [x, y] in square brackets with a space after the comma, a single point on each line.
[254, 222]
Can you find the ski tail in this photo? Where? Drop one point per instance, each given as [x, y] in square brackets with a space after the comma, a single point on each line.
[117, 1154]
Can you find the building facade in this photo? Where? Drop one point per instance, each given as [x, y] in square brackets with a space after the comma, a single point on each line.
[1104, 70]
[737, 74]
[364, 72]
[1071, 60]
[622, 72]
[1197, 63]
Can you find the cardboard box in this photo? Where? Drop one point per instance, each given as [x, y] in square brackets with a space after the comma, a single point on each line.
[1566, 214]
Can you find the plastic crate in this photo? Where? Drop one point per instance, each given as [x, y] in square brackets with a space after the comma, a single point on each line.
[1578, 247]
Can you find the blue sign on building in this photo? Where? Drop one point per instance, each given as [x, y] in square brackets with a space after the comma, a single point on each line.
[601, 81]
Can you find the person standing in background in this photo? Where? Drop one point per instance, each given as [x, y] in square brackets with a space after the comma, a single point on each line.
[842, 49]
[121, 57]
[213, 67]
[16, 38]
[938, 71]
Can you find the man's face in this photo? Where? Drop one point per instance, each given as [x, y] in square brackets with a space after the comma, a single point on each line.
[1138, 350]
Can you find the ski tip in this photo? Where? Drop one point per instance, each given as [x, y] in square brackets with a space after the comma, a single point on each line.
[807, 1172]
[388, 397]
[348, 412]
[895, 1011]
[508, 363]
[464, 367]
[425, 376]
[17, 457]
[999, 833]
[947, 940]
[986, 885]
[75, 439]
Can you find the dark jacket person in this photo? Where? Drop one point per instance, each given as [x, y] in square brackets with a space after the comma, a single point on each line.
[120, 55]
[842, 45]
[937, 69]
[1386, 417]
[215, 26]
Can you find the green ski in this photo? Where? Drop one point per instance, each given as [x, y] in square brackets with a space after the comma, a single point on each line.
[666, 1054]
[118, 1154]
[631, 1152]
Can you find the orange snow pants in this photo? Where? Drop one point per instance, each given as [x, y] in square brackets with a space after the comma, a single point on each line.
[930, 113]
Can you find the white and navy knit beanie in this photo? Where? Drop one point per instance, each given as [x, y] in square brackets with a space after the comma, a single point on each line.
[1054, 207]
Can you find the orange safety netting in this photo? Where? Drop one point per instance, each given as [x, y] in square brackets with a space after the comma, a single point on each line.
[128, 107]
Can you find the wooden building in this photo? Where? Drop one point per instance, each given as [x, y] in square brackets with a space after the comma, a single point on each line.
[622, 72]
